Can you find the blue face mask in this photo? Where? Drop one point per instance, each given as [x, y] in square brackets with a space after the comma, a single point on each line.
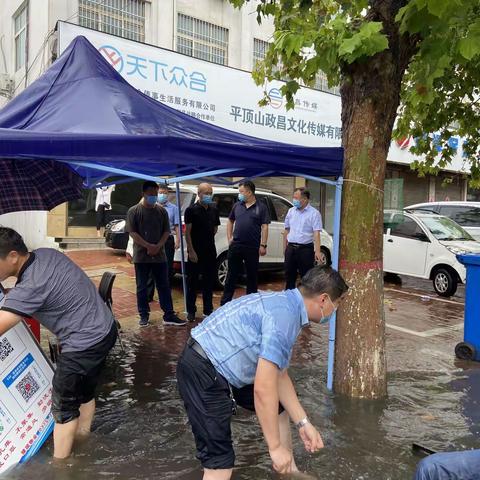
[241, 197]
[207, 199]
[162, 197]
[151, 199]
[327, 319]
[297, 203]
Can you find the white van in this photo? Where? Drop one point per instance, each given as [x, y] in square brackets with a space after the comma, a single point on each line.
[425, 245]
[224, 198]
[466, 214]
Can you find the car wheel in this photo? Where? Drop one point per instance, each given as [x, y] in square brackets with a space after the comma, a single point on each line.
[222, 270]
[445, 282]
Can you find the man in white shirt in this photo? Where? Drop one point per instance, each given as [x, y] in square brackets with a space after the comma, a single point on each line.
[303, 225]
[103, 203]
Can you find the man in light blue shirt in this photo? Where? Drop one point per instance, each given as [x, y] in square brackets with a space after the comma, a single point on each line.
[302, 244]
[173, 242]
[240, 355]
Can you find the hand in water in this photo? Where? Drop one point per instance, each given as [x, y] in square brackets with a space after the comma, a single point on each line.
[282, 459]
[311, 438]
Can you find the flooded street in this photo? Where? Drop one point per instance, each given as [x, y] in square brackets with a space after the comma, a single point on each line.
[141, 431]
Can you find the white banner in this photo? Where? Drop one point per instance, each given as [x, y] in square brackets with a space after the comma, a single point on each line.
[228, 97]
[224, 96]
[25, 396]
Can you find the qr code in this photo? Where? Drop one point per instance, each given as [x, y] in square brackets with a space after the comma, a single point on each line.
[27, 387]
[5, 349]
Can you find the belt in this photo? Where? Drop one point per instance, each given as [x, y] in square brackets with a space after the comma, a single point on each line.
[195, 346]
[300, 245]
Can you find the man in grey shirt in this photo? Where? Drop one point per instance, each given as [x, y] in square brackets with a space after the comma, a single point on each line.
[149, 227]
[63, 299]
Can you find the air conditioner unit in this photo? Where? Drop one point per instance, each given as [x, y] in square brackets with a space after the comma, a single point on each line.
[6, 85]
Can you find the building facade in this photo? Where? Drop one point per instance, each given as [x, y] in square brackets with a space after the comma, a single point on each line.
[208, 30]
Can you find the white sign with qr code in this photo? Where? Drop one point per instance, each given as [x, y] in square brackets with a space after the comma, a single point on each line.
[25, 396]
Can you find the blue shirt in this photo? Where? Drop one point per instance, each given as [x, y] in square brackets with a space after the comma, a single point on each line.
[302, 224]
[261, 325]
[173, 216]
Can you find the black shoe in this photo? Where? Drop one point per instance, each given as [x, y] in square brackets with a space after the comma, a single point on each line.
[191, 317]
[174, 320]
[143, 322]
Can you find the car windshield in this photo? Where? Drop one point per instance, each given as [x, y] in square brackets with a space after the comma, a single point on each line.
[444, 229]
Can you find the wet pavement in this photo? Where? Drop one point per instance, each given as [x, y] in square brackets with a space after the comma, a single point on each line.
[141, 431]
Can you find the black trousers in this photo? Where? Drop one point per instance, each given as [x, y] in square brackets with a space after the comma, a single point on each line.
[101, 216]
[170, 253]
[238, 257]
[206, 267]
[299, 259]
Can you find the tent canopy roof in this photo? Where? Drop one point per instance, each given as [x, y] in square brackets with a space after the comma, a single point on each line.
[82, 112]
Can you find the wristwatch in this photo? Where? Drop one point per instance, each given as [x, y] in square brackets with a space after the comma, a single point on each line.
[302, 422]
[264, 245]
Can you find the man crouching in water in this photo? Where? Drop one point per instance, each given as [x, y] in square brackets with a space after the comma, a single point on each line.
[239, 355]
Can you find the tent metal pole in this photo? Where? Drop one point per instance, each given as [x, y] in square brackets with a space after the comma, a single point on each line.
[310, 177]
[182, 251]
[335, 263]
[208, 173]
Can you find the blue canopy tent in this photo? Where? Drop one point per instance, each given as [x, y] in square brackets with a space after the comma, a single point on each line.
[82, 113]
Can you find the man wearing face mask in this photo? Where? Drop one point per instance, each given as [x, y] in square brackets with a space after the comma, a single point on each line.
[239, 355]
[148, 225]
[247, 234]
[63, 299]
[202, 221]
[303, 225]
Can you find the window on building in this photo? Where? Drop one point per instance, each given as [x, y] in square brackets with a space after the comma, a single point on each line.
[20, 21]
[322, 84]
[260, 48]
[200, 39]
[125, 18]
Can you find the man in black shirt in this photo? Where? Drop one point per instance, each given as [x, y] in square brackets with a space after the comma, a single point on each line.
[202, 221]
[149, 227]
[247, 233]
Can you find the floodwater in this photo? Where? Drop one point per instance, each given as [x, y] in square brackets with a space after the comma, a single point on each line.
[141, 431]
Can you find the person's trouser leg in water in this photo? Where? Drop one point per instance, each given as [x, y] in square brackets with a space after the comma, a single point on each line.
[73, 398]
[209, 409]
[450, 466]
[235, 264]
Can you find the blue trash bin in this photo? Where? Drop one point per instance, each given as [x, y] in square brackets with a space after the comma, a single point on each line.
[469, 349]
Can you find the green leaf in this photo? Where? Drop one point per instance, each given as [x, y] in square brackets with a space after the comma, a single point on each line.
[469, 47]
[366, 42]
[437, 7]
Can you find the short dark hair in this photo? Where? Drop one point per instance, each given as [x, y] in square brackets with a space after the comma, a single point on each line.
[10, 240]
[304, 192]
[148, 185]
[164, 186]
[248, 184]
[323, 279]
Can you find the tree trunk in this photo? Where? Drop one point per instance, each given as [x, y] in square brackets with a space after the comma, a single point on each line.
[370, 99]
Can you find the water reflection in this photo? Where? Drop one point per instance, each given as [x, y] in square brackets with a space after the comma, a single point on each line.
[141, 430]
